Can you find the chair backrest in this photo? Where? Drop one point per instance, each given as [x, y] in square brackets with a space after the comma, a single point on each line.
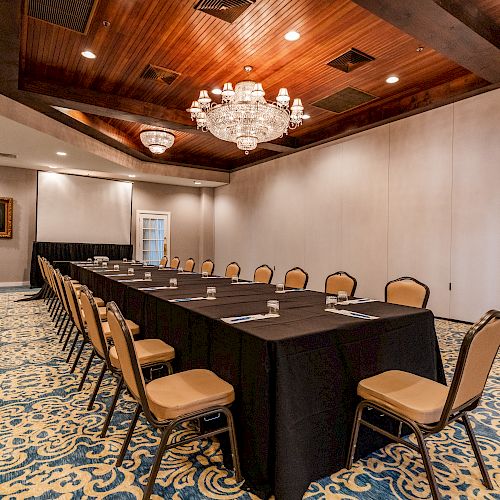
[61, 290]
[208, 267]
[164, 260]
[42, 268]
[50, 275]
[127, 355]
[263, 274]
[189, 265]
[174, 264]
[74, 305]
[407, 291]
[94, 324]
[477, 354]
[296, 278]
[232, 269]
[340, 281]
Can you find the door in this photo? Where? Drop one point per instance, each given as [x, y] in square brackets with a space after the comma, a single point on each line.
[152, 236]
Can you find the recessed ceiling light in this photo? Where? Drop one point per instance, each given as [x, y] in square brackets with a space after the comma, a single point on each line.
[132, 175]
[198, 183]
[216, 91]
[292, 36]
[306, 117]
[61, 153]
[392, 79]
[51, 166]
[88, 54]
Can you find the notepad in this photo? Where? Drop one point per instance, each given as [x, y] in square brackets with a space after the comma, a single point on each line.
[115, 275]
[135, 279]
[151, 288]
[351, 314]
[189, 299]
[250, 317]
[358, 301]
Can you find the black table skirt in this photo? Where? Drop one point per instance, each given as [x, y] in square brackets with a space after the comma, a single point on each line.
[295, 376]
[72, 251]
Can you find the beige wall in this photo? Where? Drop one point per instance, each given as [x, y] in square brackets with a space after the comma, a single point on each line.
[191, 216]
[15, 253]
[416, 197]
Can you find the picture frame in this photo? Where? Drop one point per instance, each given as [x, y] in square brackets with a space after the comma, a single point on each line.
[6, 208]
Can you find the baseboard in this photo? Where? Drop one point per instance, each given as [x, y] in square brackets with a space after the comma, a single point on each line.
[5, 284]
[456, 320]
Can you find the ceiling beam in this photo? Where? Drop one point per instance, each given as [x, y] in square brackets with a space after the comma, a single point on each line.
[447, 28]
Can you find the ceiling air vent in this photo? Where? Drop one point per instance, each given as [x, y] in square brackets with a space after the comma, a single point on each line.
[8, 155]
[158, 73]
[74, 15]
[344, 100]
[227, 10]
[350, 60]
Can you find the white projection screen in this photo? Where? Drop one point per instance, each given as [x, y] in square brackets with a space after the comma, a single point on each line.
[77, 209]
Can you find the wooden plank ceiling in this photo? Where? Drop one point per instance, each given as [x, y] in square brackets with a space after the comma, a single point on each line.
[207, 51]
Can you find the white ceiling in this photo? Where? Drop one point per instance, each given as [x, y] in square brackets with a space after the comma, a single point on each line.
[36, 150]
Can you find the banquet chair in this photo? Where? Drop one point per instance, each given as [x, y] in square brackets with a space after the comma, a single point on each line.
[189, 265]
[263, 274]
[407, 291]
[232, 269]
[341, 281]
[172, 400]
[174, 264]
[150, 352]
[296, 278]
[427, 407]
[164, 261]
[208, 266]
[45, 286]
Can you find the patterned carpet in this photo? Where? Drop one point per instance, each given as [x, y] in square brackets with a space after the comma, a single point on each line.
[49, 444]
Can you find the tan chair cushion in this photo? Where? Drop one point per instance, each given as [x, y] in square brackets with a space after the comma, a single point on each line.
[149, 352]
[409, 395]
[133, 327]
[185, 392]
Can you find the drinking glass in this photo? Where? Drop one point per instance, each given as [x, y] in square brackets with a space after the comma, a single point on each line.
[132, 261]
[124, 259]
[280, 288]
[211, 291]
[147, 276]
[104, 264]
[116, 267]
[180, 270]
[204, 274]
[273, 307]
[89, 260]
[331, 302]
[144, 263]
[130, 270]
[234, 279]
[173, 282]
[342, 297]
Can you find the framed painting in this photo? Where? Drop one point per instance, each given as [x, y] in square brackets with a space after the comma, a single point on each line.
[6, 205]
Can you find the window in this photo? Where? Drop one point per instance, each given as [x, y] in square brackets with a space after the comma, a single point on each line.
[152, 236]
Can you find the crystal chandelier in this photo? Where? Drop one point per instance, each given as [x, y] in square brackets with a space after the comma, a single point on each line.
[157, 141]
[244, 116]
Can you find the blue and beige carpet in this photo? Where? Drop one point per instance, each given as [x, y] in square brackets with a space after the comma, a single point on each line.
[50, 445]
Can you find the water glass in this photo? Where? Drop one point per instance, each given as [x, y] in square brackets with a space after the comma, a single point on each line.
[342, 297]
[234, 279]
[130, 271]
[147, 276]
[124, 259]
[211, 291]
[331, 302]
[144, 263]
[173, 282]
[89, 260]
[116, 267]
[204, 274]
[180, 270]
[273, 307]
[132, 261]
[280, 288]
[104, 264]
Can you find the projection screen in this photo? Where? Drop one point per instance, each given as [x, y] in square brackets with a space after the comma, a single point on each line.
[76, 209]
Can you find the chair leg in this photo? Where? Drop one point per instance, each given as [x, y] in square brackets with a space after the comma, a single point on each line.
[128, 437]
[157, 462]
[354, 435]
[112, 407]
[477, 451]
[63, 331]
[97, 386]
[72, 346]
[427, 462]
[68, 337]
[78, 354]
[234, 445]
[86, 371]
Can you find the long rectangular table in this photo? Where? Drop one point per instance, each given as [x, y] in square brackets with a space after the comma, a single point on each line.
[295, 376]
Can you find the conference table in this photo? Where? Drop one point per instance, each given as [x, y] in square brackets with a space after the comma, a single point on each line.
[295, 375]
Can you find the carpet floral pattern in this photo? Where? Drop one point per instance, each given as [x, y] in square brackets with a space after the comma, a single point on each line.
[50, 445]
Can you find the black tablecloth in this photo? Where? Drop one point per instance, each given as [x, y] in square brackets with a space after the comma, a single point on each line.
[72, 251]
[295, 376]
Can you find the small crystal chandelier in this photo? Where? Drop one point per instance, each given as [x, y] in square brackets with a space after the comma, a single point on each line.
[244, 116]
[157, 141]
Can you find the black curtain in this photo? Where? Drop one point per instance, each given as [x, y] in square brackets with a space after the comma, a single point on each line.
[72, 251]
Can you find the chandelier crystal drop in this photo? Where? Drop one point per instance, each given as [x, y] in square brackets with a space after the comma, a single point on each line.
[157, 141]
[244, 116]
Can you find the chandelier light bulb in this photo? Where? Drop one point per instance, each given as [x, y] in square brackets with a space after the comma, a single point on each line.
[195, 108]
[297, 105]
[227, 90]
[283, 97]
[204, 98]
[258, 91]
